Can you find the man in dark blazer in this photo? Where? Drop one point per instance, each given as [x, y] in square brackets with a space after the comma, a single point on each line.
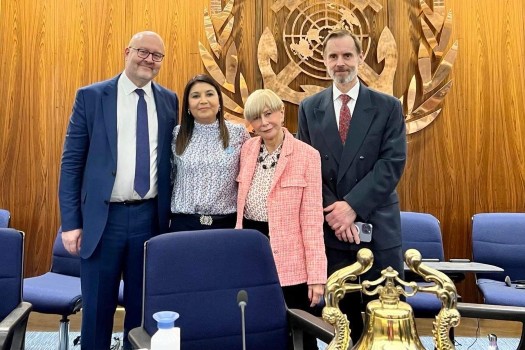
[363, 152]
[115, 185]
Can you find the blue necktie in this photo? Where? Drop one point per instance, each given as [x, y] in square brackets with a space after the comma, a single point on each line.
[142, 164]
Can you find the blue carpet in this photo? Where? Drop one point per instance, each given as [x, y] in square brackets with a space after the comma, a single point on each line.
[464, 343]
[49, 341]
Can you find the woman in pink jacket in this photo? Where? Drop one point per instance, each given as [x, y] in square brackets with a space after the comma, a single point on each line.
[280, 195]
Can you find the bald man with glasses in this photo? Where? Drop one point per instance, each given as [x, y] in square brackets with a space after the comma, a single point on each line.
[115, 185]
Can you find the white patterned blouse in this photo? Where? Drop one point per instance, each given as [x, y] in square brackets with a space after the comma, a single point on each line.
[205, 174]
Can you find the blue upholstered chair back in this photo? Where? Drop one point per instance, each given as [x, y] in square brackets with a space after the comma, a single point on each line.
[198, 274]
[5, 216]
[499, 239]
[422, 232]
[62, 262]
[11, 269]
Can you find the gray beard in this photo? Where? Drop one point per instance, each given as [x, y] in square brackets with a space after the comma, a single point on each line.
[343, 80]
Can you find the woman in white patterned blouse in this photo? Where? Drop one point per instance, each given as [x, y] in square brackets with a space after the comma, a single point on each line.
[206, 150]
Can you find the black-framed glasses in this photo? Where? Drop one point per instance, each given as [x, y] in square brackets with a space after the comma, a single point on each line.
[143, 53]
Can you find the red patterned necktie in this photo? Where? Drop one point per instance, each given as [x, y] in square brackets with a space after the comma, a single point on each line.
[344, 117]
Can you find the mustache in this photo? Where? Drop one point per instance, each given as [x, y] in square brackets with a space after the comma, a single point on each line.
[147, 64]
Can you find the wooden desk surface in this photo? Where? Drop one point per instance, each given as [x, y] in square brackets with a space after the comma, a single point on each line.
[460, 267]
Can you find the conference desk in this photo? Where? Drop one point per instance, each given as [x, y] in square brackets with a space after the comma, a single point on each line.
[456, 270]
[460, 267]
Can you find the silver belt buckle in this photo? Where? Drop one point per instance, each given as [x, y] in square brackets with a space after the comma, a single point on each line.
[206, 220]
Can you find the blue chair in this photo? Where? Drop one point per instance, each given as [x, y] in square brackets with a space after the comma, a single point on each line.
[499, 239]
[5, 217]
[14, 313]
[57, 291]
[422, 231]
[198, 274]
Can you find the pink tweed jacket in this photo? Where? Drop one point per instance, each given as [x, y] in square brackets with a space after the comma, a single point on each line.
[295, 209]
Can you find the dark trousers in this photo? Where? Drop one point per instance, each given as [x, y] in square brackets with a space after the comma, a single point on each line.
[296, 296]
[354, 303]
[261, 226]
[119, 254]
[191, 222]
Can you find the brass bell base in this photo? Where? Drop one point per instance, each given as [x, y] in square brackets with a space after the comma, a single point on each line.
[389, 328]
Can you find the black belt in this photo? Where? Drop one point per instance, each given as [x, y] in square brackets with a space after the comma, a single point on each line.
[134, 201]
[204, 219]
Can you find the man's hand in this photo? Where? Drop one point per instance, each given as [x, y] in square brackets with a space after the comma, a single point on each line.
[72, 240]
[341, 219]
[315, 293]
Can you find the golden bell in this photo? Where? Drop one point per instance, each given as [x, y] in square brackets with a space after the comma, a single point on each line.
[389, 322]
[389, 328]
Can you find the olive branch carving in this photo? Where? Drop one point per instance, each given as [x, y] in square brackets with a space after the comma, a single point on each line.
[425, 96]
[223, 63]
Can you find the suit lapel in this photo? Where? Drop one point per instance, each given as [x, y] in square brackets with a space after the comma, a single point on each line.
[364, 112]
[283, 158]
[109, 109]
[325, 116]
[162, 113]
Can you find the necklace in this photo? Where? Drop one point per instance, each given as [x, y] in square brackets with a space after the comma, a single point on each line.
[273, 157]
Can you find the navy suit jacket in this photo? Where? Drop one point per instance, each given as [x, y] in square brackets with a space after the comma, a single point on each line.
[364, 171]
[89, 160]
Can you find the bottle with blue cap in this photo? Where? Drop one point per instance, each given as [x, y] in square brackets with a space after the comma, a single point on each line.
[167, 336]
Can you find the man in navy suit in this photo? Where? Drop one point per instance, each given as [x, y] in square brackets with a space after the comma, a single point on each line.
[115, 185]
[362, 142]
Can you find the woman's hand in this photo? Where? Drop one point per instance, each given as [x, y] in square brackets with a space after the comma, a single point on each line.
[315, 293]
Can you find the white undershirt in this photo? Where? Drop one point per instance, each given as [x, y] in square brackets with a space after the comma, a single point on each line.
[126, 140]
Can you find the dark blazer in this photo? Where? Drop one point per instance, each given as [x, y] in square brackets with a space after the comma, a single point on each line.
[366, 170]
[89, 159]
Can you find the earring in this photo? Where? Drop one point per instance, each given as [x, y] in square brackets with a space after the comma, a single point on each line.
[189, 111]
[219, 108]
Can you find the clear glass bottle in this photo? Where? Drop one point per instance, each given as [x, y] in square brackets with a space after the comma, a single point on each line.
[493, 342]
[167, 336]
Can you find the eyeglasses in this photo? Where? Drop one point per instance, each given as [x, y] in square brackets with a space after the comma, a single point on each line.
[143, 53]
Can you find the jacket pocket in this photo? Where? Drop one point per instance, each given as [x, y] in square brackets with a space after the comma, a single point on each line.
[293, 182]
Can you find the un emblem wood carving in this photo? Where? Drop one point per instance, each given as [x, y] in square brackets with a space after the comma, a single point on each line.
[294, 42]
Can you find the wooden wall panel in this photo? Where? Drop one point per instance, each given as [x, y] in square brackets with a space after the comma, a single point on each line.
[499, 141]
[180, 23]
[250, 13]
[27, 144]
[403, 21]
[471, 159]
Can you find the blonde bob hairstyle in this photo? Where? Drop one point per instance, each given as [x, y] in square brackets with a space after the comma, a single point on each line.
[259, 101]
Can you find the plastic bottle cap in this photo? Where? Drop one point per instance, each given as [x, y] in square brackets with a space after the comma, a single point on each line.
[165, 319]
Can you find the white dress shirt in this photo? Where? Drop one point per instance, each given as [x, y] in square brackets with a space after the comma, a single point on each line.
[353, 93]
[127, 101]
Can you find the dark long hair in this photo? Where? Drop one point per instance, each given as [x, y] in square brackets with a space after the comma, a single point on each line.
[187, 122]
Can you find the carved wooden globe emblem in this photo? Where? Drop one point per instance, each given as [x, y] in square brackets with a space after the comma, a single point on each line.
[307, 25]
